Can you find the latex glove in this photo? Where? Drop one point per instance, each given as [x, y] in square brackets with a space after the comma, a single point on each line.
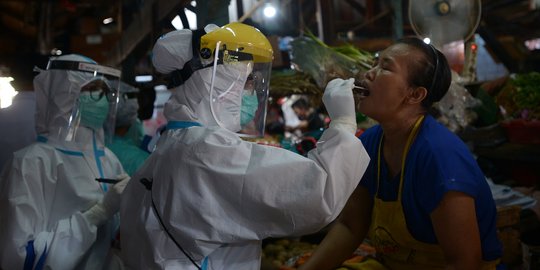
[339, 102]
[110, 204]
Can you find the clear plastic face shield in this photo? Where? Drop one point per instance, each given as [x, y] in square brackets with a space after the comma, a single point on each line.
[239, 90]
[89, 94]
[127, 113]
[128, 105]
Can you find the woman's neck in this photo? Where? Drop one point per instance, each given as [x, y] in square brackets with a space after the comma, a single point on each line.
[397, 130]
[396, 133]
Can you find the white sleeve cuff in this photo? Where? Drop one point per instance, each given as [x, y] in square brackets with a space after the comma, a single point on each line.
[344, 123]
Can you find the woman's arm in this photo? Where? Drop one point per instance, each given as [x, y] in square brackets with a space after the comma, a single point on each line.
[346, 233]
[456, 228]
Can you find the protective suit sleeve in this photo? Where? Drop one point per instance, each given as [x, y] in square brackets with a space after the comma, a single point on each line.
[303, 194]
[248, 191]
[27, 234]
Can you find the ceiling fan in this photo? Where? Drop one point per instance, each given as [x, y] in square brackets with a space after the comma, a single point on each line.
[445, 21]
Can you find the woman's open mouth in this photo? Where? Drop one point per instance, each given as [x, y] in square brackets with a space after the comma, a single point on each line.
[360, 89]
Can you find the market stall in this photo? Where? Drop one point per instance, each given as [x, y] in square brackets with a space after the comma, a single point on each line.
[500, 126]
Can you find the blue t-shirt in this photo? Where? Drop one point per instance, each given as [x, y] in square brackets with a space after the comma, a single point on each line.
[437, 162]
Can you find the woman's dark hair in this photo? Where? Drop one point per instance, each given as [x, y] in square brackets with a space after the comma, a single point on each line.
[431, 72]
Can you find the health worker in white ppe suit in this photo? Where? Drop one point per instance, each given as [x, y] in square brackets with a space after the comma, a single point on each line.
[205, 198]
[127, 141]
[53, 212]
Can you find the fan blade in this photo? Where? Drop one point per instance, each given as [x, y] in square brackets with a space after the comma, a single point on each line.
[444, 21]
[466, 13]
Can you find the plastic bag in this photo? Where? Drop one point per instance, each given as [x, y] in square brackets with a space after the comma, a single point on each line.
[456, 108]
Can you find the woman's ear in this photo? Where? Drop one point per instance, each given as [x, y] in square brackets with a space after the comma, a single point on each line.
[417, 95]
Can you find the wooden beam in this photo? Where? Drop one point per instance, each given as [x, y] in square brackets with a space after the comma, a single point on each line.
[18, 26]
[306, 12]
[356, 6]
[326, 11]
[397, 8]
[497, 48]
[373, 19]
[141, 25]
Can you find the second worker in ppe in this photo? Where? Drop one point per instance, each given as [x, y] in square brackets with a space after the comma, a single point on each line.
[205, 198]
[127, 141]
[54, 213]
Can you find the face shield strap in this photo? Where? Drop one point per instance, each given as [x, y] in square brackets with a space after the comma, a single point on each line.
[178, 77]
[84, 67]
[228, 56]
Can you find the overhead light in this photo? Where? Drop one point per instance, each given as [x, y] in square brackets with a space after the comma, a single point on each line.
[7, 92]
[56, 51]
[108, 20]
[533, 44]
[427, 40]
[160, 87]
[191, 17]
[143, 78]
[177, 23]
[269, 11]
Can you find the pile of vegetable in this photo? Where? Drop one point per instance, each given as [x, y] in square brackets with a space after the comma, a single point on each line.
[324, 63]
[315, 64]
[281, 251]
[289, 254]
[520, 97]
[291, 82]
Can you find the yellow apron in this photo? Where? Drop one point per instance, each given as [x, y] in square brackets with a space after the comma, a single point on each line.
[396, 247]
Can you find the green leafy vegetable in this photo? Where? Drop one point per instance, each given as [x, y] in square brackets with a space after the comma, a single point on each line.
[324, 63]
[520, 97]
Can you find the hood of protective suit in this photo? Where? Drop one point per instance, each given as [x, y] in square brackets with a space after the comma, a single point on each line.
[56, 95]
[191, 101]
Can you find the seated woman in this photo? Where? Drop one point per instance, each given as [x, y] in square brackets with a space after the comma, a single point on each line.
[423, 202]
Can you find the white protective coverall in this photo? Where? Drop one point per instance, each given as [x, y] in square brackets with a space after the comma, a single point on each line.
[48, 187]
[219, 195]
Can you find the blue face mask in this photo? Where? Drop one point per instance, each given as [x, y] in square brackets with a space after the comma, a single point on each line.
[250, 103]
[93, 112]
